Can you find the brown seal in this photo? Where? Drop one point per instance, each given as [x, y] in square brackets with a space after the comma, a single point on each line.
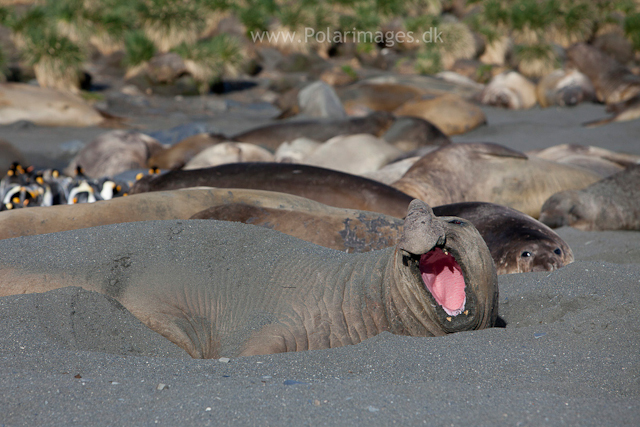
[449, 112]
[365, 97]
[178, 155]
[486, 172]
[564, 88]
[610, 204]
[414, 133]
[274, 134]
[600, 160]
[45, 107]
[622, 111]
[517, 242]
[239, 290]
[509, 90]
[114, 152]
[157, 205]
[613, 81]
[326, 186]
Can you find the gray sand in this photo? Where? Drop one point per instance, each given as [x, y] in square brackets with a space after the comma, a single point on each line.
[569, 355]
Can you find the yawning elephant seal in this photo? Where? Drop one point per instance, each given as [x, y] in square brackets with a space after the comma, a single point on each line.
[326, 186]
[610, 204]
[485, 172]
[223, 289]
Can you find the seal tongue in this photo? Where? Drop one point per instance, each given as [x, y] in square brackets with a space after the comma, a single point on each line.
[442, 276]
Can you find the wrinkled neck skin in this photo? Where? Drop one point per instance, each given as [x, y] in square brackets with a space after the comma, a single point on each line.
[345, 304]
[409, 308]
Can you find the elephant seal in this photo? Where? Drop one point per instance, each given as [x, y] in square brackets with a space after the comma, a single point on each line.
[45, 107]
[509, 90]
[613, 81]
[221, 289]
[517, 242]
[179, 154]
[157, 205]
[622, 111]
[451, 113]
[413, 133]
[485, 172]
[564, 88]
[346, 230]
[114, 152]
[393, 171]
[229, 152]
[610, 204]
[600, 160]
[274, 134]
[365, 97]
[357, 154]
[326, 186]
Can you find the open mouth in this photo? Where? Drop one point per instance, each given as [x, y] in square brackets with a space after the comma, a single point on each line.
[443, 278]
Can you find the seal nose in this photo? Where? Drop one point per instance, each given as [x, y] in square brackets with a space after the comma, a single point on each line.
[422, 230]
[547, 262]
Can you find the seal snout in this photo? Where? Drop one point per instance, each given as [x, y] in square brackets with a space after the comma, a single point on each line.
[423, 231]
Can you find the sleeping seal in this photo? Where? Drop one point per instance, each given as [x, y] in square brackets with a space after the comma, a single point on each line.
[326, 186]
[272, 135]
[485, 172]
[610, 204]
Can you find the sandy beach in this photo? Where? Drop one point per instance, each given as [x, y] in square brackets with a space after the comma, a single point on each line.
[569, 355]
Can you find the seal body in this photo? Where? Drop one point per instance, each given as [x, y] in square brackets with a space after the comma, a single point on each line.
[45, 107]
[486, 172]
[274, 134]
[518, 242]
[613, 82]
[564, 88]
[114, 152]
[326, 186]
[159, 205]
[224, 289]
[510, 90]
[610, 204]
[178, 155]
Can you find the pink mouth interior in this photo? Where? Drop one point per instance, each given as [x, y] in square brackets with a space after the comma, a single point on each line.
[443, 277]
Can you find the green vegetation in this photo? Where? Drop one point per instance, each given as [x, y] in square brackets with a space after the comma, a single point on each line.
[207, 60]
[632, 29]
[56, 36]
[138, 48]
[428, 62]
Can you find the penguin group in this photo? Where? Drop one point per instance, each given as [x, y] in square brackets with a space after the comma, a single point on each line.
[21, 188]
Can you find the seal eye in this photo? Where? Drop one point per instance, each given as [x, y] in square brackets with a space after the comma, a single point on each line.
[526, 254]
[557, 251]
[456, 222]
